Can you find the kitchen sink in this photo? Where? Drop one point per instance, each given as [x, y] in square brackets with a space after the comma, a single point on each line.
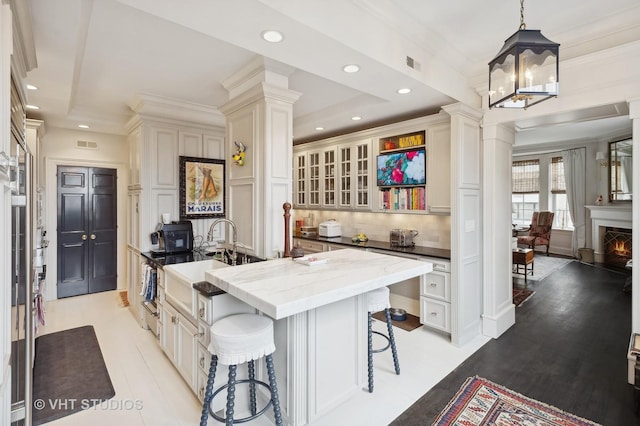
[241, 259]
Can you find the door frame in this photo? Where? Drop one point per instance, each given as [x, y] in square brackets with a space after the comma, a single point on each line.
[51, 214]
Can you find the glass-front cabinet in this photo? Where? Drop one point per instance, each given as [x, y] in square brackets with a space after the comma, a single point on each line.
[329, 186]
[336, 176]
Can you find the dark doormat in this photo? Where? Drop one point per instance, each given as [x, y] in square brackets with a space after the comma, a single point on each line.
[69, 374]
[411, 323]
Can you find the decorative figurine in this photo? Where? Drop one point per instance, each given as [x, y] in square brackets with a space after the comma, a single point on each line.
[599, 200]
[238, 157]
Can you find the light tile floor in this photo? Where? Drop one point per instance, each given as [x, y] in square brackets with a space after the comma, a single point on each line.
[144, 378]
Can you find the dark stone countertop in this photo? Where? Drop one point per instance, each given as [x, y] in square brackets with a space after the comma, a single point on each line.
[383, 245]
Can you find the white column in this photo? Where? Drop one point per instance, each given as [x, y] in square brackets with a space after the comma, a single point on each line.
[634, 115]
[499, 311]
[466, 223]
[260, 115]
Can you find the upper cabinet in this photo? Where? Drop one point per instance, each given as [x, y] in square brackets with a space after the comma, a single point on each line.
[333, 176]
[401, 168]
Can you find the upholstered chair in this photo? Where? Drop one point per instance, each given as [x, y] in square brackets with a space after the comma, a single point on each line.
[539, 232]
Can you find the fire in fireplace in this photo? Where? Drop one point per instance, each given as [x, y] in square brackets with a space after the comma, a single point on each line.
[617, 246]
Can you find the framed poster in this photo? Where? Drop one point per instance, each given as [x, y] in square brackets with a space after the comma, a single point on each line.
[201, 188]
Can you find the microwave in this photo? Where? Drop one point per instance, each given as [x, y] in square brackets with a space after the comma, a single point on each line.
[176, 237]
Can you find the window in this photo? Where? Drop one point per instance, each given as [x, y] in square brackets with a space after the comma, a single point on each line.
[559, 202]
[525, 193]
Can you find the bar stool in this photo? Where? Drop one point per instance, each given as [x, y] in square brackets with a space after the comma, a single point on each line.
[378, 300]
[234, 340]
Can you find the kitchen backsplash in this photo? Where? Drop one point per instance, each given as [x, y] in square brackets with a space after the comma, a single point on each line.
[433, 230]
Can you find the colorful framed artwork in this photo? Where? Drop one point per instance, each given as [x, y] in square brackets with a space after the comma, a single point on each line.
[202, 185]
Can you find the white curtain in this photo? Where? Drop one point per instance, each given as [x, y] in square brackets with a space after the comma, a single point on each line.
[575, 176]
[627, 174]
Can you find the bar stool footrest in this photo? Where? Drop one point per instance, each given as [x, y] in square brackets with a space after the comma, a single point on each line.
[244, 419]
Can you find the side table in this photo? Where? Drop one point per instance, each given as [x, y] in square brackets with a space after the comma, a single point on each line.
[523, 262]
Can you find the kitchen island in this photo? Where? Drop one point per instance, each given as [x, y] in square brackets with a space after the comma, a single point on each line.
[321, 321]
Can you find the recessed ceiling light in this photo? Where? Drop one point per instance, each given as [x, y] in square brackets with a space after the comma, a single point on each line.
[272, 36]
[33, 107]
[351, 68]
[83, 126]
[319, 128]
[356, 118]
[404, 90]
[31, 87]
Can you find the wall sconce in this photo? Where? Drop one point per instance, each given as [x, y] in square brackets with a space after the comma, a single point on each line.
[601, 159]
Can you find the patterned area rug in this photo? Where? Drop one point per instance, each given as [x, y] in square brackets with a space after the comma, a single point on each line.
[543, 266]
[481, 402]
[521, 295]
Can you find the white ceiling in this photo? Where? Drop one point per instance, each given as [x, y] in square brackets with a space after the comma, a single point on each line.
[95, 56]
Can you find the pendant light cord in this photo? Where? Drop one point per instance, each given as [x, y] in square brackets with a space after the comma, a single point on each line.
[523, 26]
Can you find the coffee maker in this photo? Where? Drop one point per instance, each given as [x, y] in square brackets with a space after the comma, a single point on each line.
[174, 237]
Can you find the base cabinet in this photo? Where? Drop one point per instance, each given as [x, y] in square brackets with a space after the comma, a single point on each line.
[179, 341]
[435, 296]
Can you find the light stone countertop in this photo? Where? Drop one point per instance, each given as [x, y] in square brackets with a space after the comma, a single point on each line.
[283, 287]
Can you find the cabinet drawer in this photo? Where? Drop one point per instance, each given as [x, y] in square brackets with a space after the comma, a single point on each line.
[436, 285]
[440, 265]
[204, 331]
[205, 309]
[203, 359]
[434, 313]
[309, 246]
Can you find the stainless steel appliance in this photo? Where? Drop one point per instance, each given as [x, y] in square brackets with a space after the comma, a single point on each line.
[174, 237]
[402, 237]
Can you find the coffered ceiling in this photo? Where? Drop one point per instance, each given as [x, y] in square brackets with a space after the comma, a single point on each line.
[95, 56]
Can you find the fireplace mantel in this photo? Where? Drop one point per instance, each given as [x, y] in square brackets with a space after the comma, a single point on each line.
[602, 216]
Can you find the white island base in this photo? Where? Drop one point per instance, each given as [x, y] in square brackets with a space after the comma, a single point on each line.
[321, 322]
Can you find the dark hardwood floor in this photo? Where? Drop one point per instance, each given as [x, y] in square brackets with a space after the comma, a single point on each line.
[568, 349]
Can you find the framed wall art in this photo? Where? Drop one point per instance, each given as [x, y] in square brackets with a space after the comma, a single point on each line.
[201, 188]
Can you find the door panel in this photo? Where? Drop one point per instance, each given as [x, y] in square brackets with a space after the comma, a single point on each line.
[72, 228]
[102, 239]
[86, 230]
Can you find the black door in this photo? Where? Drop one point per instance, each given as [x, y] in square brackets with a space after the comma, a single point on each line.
[86, 230]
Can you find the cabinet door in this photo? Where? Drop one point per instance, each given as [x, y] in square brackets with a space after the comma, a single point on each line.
[439, 169]
[169, 318]
[308, 246]
[329, 178]
[313, 159]
[362, 174]
[164, 151]
[300, 179]
[345, 176]
[186, 350]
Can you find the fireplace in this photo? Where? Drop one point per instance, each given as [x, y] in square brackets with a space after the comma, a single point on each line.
[617, 246]
[609, 217]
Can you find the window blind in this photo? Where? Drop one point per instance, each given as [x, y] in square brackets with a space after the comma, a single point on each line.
[558, 185]
[525, 175]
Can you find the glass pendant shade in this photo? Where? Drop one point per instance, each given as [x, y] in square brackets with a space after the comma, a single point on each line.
[524, 72]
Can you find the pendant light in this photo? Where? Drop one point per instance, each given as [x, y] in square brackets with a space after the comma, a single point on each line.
[525, 71]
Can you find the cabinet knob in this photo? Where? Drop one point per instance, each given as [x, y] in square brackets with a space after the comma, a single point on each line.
[201, 312]
[202, 362]
[433, 285]
[434, 314]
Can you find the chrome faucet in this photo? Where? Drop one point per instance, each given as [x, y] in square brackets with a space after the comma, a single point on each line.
[234, 238]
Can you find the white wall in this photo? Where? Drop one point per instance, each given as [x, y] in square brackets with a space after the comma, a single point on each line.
[434, 230]
[59, 148]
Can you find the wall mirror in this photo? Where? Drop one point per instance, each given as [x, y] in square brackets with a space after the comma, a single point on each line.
[620, 170]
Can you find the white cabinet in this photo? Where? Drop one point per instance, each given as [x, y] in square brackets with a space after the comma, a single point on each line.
[308, 246]
[333, 176]
[439, 169]
[435, 296]
[179, 341]
[186, 349]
